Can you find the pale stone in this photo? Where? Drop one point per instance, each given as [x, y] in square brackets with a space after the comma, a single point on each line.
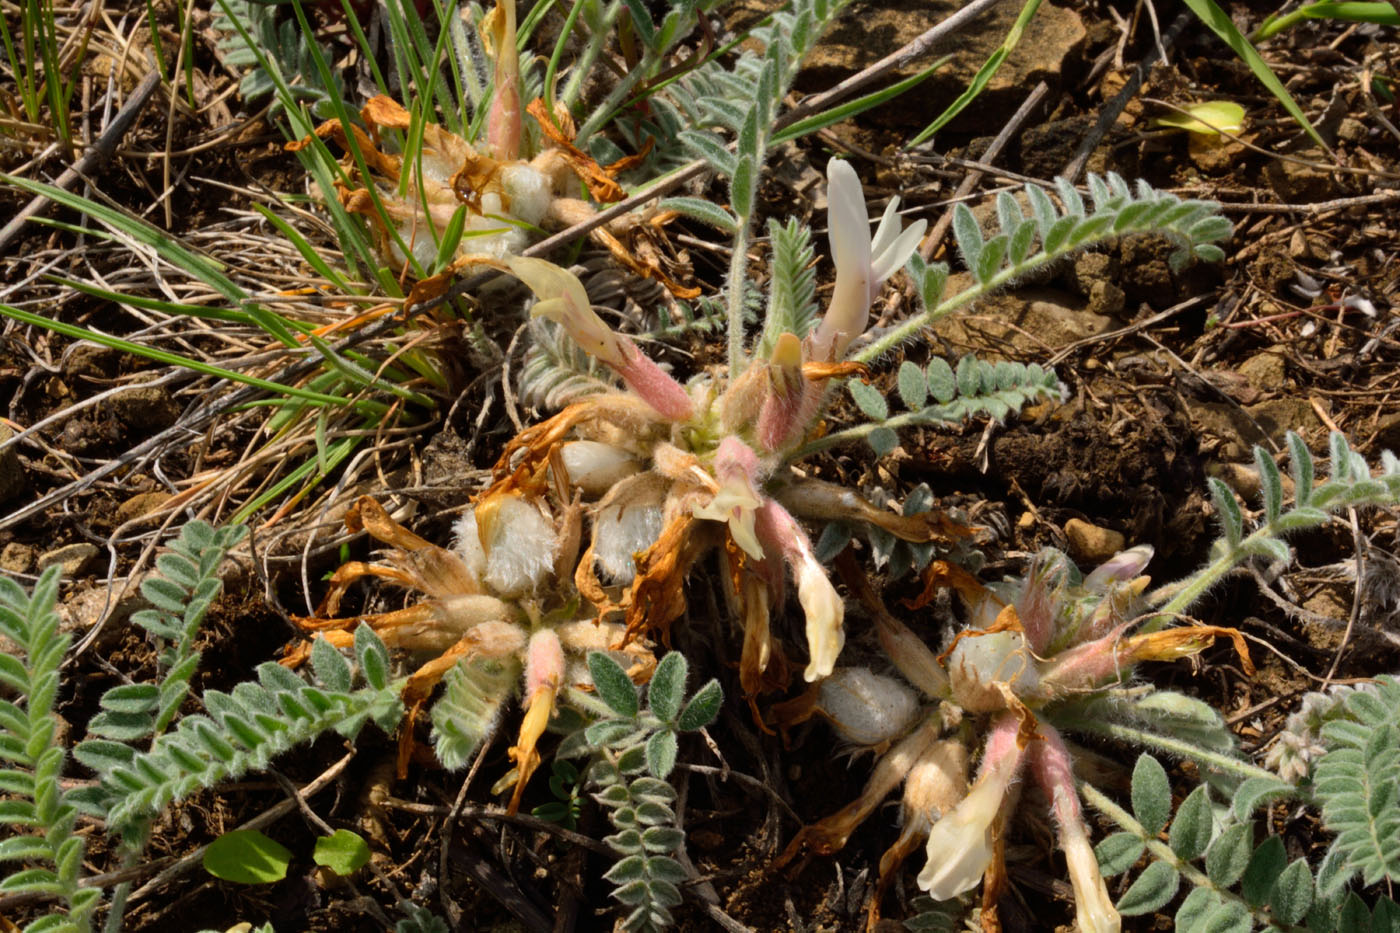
[1091, 545]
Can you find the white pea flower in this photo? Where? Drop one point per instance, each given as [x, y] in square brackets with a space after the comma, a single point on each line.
[961, 844]
[862, 264]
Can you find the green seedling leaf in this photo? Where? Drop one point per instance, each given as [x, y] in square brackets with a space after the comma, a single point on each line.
[1210, 118]
[343, 852]
[246, 856]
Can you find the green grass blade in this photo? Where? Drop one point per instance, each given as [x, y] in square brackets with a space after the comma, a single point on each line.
[1219, 22]
[175, 359]
[1384, 14]
[226, 315]
[820, 121]
[308, 252]
[335, 453]
[984, 74]
[204, 269]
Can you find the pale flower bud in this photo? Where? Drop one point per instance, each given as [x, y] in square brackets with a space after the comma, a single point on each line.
[563, 300]
[1120, 568]
[865, 707]
[595, 467]
[507, 544]
[825, 610]
[737, 499]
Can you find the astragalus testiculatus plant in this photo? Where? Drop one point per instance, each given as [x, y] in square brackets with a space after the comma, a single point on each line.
[1033, 653]
[676, 469]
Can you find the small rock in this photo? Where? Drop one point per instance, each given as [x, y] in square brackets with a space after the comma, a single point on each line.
[91, 360]
[1090, 544]
[12, 478]
[145, 408]
[1299, 184]
[1093, 276]
[1213, 154]
[16, 558]
[1051, 49]
[73, 558]
[1388, 433]
[1265, 371]
[1245, 480]
[143, 503]
[1352, 130]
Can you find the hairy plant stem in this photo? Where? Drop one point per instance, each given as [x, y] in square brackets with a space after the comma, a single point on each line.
[902, 332]
[606, 110]
[734, 291]
[1241, 769]
[1161, 851]
[861, 431]
[597, 38]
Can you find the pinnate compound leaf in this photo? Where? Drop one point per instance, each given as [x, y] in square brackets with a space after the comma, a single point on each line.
[343, 852]
[614, 686]
[247, 856]
[1151, 794]
[1153, 888]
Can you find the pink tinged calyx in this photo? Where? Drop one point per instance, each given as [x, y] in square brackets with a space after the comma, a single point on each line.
[562, 299]
[780, 419]
[1053, 768]
[503, 121]
[961, 845]
[544, 664]
[821, 604]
